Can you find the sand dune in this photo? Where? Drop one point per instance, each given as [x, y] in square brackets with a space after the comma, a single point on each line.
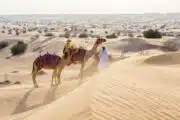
[124, 90]
[165, 59]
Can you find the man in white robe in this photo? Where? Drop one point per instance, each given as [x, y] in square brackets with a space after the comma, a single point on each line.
[103, 56]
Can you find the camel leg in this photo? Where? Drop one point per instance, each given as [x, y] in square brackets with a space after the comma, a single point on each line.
[34, 72]
[53, 78]
[59, 76]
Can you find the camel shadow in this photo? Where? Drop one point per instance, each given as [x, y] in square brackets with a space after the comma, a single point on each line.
[22, 107]
[51, 95]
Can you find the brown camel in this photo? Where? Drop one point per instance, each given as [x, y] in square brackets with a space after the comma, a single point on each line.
[52, 62]
[81, 55]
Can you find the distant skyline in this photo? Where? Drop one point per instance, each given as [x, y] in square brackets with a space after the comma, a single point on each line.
[88, 6]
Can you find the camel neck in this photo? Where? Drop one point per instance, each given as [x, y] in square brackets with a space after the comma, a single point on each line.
[93, 50]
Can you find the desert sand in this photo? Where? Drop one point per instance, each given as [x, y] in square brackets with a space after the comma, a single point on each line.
[132, 87]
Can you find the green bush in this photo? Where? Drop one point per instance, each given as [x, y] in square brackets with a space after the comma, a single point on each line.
[24, 31]
[52, 29]
[152, 34]
[91, 32]
[35, 37]
[18, 48]
[29, 30]
[83, 35]
[39, 31]
[139, 36]
[131, 35]
[111, 36]
[49, 35]
[17, 32]
[67, 35]
[46, 30]
[3, 44]
[10, 31]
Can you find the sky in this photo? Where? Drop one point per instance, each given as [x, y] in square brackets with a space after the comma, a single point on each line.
[88, 6]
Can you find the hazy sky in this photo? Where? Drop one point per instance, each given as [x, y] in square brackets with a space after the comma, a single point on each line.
[87, 6]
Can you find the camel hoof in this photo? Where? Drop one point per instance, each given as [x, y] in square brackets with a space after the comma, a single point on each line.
[36, 86]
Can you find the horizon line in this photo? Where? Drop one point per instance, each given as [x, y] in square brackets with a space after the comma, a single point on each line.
[91, 13]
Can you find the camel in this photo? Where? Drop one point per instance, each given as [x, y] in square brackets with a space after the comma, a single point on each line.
[52, 62]
[81, 55]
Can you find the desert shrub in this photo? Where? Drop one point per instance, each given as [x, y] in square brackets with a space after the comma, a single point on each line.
[106, 32]
[91, 32]
[49, 35]
[24, 30]
[139, 36]
[39, 31]
[46, 30]
[65, 29]
[3, 44]
[35, 37]
[34, 29]
[52, 29]
[85, 30]
[67, 35]
[10, 31]
[152, 34]
[111, 36]
[83, 35]
[2, 31]
[17, 32]
[19, 48]
[29, 30]
[178, 35]
[131, 35]
[118, 33]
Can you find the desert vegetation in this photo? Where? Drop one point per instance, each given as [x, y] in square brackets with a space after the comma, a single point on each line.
[111, 36]
[131, 35]
[83, 35]
[10, 31]
[19, 48]
[152, 34]
[3, 44]
[17, 32]
[49, 35]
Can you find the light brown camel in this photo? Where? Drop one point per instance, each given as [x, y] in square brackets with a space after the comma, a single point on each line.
[52, 62]
[81, 55]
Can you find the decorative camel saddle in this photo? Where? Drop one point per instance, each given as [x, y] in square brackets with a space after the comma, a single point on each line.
[78, 54]
[50, 60]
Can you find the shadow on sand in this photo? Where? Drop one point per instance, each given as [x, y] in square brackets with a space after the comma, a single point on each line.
[22, 107]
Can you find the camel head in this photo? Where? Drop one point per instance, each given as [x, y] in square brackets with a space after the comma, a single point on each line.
[100, 41]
